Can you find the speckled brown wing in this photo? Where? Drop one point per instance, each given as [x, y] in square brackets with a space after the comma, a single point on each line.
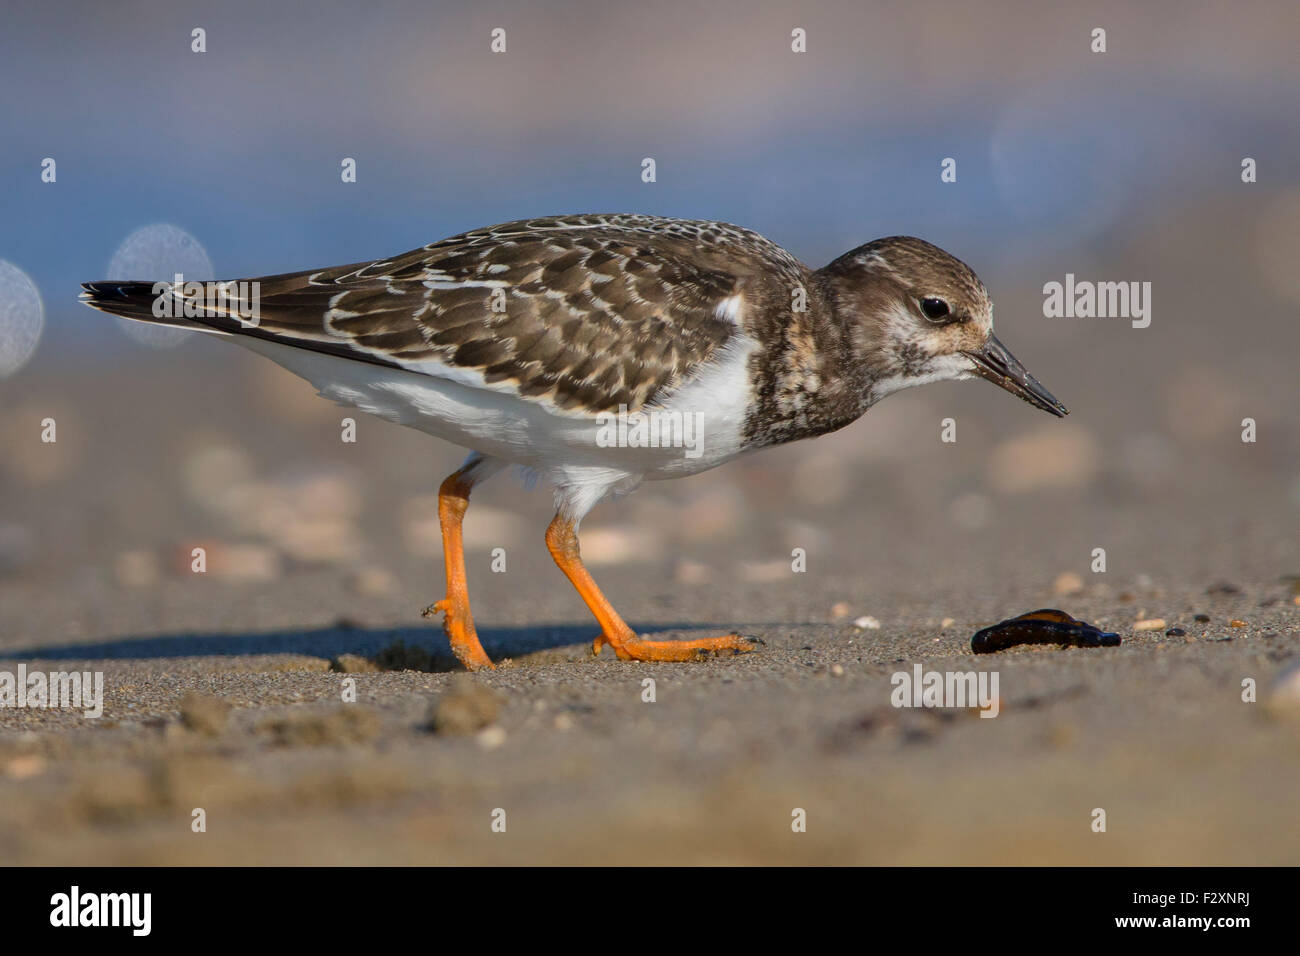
[590, 312]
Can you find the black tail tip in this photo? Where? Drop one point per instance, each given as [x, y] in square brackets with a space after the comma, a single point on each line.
[106, 288]
[115, 291]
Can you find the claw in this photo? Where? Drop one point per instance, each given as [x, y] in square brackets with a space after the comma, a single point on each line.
[633, 648]
[459, 628]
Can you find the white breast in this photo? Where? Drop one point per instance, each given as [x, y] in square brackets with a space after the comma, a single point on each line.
[720, 396]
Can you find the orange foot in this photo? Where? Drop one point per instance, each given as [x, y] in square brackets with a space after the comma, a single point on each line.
[562, 542]
[458, 625]
[629, 647]
[453, 499]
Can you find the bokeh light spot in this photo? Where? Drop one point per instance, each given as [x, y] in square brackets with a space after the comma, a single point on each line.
[157, 253]
[22, 316]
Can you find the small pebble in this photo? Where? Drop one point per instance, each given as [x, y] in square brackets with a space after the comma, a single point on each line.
[491, 738]
[373, 582]
[867, 624]
[205, 714]
[353, 664]
[466, 707]
[345, 724]
[837, 670]
[137, 569]
[840, 609]
[1236, 623]
[249, 563]
[16, 547]
[693, 573]
[24, 767]
[1202, 619]
[1284, 692]
[1151, 624]
[1067, 583]
[946, 623]
[1175, 632]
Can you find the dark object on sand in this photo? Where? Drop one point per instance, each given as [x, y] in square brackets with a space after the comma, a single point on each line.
[1044, 626]
[1223, 588]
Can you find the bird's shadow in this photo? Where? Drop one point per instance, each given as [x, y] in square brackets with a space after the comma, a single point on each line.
[391, 648]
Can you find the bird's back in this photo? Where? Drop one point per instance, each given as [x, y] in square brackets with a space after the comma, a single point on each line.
[586, 313]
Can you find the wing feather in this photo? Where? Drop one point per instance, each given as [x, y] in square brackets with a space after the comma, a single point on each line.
[591, 312]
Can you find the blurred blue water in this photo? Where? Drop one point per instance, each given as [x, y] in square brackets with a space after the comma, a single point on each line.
[240, 146]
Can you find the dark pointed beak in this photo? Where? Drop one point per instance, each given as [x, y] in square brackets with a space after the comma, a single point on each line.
[995, 363]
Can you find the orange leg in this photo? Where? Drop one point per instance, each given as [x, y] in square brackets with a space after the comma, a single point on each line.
[453, 500]
[562, 542]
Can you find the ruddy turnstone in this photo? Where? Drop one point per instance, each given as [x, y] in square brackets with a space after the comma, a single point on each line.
[519, 341]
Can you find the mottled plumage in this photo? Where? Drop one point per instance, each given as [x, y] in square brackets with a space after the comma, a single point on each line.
[590, 312]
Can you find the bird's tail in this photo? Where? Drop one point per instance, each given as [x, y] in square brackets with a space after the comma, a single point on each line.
[145, 302]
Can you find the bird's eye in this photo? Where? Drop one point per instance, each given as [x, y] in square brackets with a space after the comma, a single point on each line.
[934, 308]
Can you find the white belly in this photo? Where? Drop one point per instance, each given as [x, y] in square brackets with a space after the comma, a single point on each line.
[698, 426]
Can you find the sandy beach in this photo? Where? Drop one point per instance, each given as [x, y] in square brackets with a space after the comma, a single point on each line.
[220, 692]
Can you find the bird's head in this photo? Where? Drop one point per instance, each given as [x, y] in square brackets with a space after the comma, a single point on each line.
[917, 315]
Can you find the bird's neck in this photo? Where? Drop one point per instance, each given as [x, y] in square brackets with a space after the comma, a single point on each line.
[809, 374]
